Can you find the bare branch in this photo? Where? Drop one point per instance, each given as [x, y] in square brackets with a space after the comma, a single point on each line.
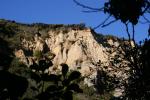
[127, 31]
[90, 11]
[109, 23]
[142, 22]
[102, 22]
[149, 31]
[133, 33]
[148, 11]
[148, 21]
[147, 8]
[87, 7]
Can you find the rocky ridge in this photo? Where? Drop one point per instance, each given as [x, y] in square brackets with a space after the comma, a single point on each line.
[81, 51]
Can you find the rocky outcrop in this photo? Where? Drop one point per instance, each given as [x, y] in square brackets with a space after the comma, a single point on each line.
[75, 47]
[81, 51]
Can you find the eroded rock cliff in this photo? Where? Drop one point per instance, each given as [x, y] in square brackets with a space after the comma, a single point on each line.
[82, 51]
[79, 47]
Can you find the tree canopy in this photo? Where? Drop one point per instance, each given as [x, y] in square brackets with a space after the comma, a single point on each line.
[127, 11]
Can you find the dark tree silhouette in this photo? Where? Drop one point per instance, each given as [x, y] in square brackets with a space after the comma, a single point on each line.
[5, 54]
[11, 86]
[124, 10]
[63, 85]
[138, 86]
[128, 11]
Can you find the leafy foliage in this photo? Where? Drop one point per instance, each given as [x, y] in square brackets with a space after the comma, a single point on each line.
[37, 54]
[126, 10]
[104, 82]
[8, 29]
[12, 86]
[38, 84]
[62, 85]
[5, 54]
[138, 86]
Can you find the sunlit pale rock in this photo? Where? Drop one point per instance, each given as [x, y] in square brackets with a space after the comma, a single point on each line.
[82, 51]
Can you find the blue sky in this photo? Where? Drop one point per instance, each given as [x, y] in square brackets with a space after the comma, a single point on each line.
[63, 12]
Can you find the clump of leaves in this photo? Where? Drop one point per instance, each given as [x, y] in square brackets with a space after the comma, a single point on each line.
[126, 10]
[105, 83]
[62, 86]
[37, 54]
[138, 87]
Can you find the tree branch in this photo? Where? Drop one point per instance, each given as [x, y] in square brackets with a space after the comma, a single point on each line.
[109, 23]
[133, 33]
[102, 22]
[127, 31]
[141, 22]
[148, 21]
[90, 11]
[147, 8]
[87, 7]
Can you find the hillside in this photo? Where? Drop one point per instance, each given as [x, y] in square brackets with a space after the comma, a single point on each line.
[77, 46]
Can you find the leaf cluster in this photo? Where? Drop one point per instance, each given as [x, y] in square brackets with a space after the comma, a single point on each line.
[62, 86]
[126, 10]
[139, 83]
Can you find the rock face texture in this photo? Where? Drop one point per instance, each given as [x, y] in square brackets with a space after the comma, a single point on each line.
[81, 49]
[76, 48]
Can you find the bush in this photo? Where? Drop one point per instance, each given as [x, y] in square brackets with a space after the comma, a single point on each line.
[18, 68]
[63, 85]
[37, 54]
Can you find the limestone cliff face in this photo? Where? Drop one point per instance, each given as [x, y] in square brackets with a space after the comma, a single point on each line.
[76, 45]
[76, 48]
[82, 50]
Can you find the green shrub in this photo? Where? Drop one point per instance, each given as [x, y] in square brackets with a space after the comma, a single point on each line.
[37, 54]
[61, 86]
[19, 68]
